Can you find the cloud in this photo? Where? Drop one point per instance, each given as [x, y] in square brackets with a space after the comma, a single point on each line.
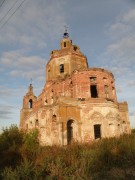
[5, 111]
[33, 22]
[5, 92]
[119, 89]
[27, 34]
[21, 65]
[131, 83]
[19, 60]
[118, 29]
[132, 113]
[121, 49]
[123, 25]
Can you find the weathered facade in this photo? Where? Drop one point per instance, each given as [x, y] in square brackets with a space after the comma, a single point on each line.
[77, 103]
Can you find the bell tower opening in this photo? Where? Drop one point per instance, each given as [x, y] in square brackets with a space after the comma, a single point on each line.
[30, 103]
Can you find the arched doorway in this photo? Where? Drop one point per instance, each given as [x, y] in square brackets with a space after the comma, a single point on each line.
[70, 131]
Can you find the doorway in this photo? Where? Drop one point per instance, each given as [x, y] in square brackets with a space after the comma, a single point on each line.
[93, 90]
[70, 131]
[97, 131]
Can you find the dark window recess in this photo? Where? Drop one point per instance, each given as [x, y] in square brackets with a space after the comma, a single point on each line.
[36, 122]
[93, 79]
[93, 90]
[30, 103]
[97, 131]
[75, 48]
[61, 68]
[46, 100]
[64, 44]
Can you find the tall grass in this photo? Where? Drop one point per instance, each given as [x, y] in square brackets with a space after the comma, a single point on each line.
[112, 158]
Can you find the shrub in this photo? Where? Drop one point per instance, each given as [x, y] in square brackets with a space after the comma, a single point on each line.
[11, 139]
[31, 147]
[132, 130]
[113, 158]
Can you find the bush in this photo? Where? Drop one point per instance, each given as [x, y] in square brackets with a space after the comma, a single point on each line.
[11, 141]
[132, 130]
[113, 158]
[31, 147]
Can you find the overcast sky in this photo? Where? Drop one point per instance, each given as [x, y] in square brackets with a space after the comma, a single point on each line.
[29, 30]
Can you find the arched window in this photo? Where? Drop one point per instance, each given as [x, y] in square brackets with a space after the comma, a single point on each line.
[54, 125]
[30, 103]
[105, 79]
[106, 90]
[61, 68]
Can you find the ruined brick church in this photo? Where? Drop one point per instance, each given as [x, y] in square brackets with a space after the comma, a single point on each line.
[78, 103]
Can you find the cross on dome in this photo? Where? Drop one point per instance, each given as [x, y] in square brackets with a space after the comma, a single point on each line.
[66, 34]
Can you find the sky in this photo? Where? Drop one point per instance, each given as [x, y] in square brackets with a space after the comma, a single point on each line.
[30, 29]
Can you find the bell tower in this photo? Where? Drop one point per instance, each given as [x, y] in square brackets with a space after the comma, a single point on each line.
[28, 104]
[65, 42]
[65, 60]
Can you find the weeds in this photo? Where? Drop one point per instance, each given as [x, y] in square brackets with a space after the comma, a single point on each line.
[23, 158]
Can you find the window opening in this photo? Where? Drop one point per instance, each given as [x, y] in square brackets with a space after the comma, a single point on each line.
[123, 126]
[75, 48]
[113, 90]
[106, 90]
[93, 79]
[46, 102]
[64, 44]
[61, 68]
[54, 125]
[36, 122]
[97, 131]
[93, 89]
[30, 103]
[104, 79]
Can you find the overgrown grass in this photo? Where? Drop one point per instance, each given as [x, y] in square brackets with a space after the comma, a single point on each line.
[24, 158]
